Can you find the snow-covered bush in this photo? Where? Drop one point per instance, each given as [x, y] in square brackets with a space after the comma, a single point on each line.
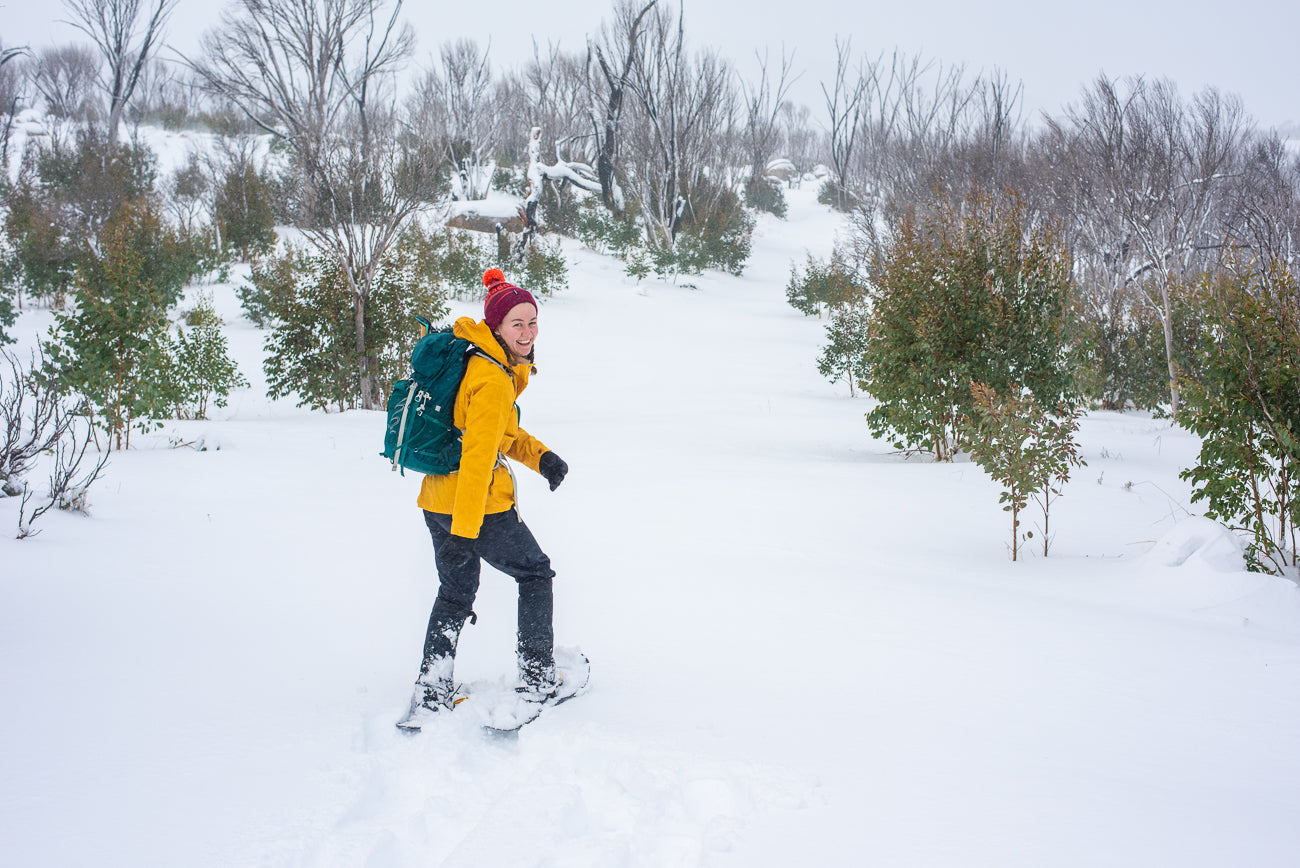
[36, 423]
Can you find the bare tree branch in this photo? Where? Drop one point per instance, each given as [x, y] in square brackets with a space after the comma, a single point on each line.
[115, 28]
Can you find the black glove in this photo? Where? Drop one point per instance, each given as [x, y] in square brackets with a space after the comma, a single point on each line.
[456, 551]
[553, 468]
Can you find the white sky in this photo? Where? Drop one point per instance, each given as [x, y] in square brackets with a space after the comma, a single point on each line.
[1250, 48]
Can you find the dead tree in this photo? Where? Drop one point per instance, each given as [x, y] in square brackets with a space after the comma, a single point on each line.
[844, 104]
[309, 71]
[616, 53]
[684, 114]
[561, 173]
[65, 78]
[125, 41]
[762, 104]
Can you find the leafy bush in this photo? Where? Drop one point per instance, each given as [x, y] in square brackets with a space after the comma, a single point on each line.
[112, 345]
[201, 367]
[11, 278]
[765, 194]
[605, 232]
[1245, 406]
[311, 351]
[844, 355]
[64, 196]
[544, 270]
[1122, 349]
[1026, 449]
[717, 237]
[243, 212]
[965, 296]
[832, 194]
[832, 284]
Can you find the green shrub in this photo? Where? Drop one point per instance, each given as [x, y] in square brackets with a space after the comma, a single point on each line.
[605, 232]
[545, 272]
[112, 345]
[717, 237]
[966, 295]
[765, 194]
[1026, 449]
[201, 366]
[831, 285]
[63, 198]
[243, 212]
[830, 193]
[1245, 406]
[312, 348]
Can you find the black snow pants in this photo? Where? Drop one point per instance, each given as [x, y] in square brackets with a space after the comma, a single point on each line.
[508, 545]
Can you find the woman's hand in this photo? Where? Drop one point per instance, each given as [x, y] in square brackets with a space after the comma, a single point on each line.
[553, 468]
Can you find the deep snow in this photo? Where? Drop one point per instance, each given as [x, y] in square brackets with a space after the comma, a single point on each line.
[806, 649]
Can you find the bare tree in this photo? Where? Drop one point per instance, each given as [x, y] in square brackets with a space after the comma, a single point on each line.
[1265, 209]
[561, 173]
[762, 104]
[12, 77]
[617, 54]
[556, 100]
[799, 139]
[65, 78]
[1149, 188]
[685, 110]
[314, 72]
[844, 104]
[472, 124]
[125, 40]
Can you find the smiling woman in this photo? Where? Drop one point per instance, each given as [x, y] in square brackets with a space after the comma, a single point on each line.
[472, 514]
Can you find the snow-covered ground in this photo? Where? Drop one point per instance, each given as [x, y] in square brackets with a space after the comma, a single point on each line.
[806, 649]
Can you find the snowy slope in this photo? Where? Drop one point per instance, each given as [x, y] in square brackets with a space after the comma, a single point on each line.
[806, 650]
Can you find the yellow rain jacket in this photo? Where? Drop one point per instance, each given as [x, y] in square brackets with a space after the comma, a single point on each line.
[486, 413]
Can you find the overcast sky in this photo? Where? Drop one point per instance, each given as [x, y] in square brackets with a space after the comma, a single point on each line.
[1250, 48]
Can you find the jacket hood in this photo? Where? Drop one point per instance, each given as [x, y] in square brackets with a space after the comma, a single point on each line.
[479, 334]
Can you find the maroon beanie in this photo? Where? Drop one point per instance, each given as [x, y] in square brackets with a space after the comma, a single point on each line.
[501, 297]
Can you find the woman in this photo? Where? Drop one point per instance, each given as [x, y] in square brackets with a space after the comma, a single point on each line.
[472, 513]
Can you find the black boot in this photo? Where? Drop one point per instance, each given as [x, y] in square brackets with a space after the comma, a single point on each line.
[437, 666]
[536, 638]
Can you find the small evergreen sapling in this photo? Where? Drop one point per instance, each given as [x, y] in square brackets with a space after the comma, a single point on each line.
[111, 346]
[201, 366]
[1026, 449]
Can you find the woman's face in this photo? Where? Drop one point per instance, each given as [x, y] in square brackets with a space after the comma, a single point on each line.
[519, 329]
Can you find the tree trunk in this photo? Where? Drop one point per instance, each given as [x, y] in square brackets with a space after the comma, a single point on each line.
[1168, 324]
[365, 360]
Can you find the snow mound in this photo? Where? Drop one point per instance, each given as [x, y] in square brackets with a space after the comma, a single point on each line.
[1199, 541]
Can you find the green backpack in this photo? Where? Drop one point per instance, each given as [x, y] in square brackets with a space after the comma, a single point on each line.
[421, 435]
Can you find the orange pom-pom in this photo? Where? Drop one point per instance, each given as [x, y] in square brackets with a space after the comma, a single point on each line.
[492, 276]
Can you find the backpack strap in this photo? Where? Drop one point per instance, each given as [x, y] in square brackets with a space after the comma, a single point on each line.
[478, 352]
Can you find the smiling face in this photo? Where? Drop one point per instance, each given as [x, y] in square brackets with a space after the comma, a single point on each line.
[518, 330]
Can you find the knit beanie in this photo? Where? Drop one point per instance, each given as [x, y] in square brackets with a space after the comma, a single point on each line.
[501, 297]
